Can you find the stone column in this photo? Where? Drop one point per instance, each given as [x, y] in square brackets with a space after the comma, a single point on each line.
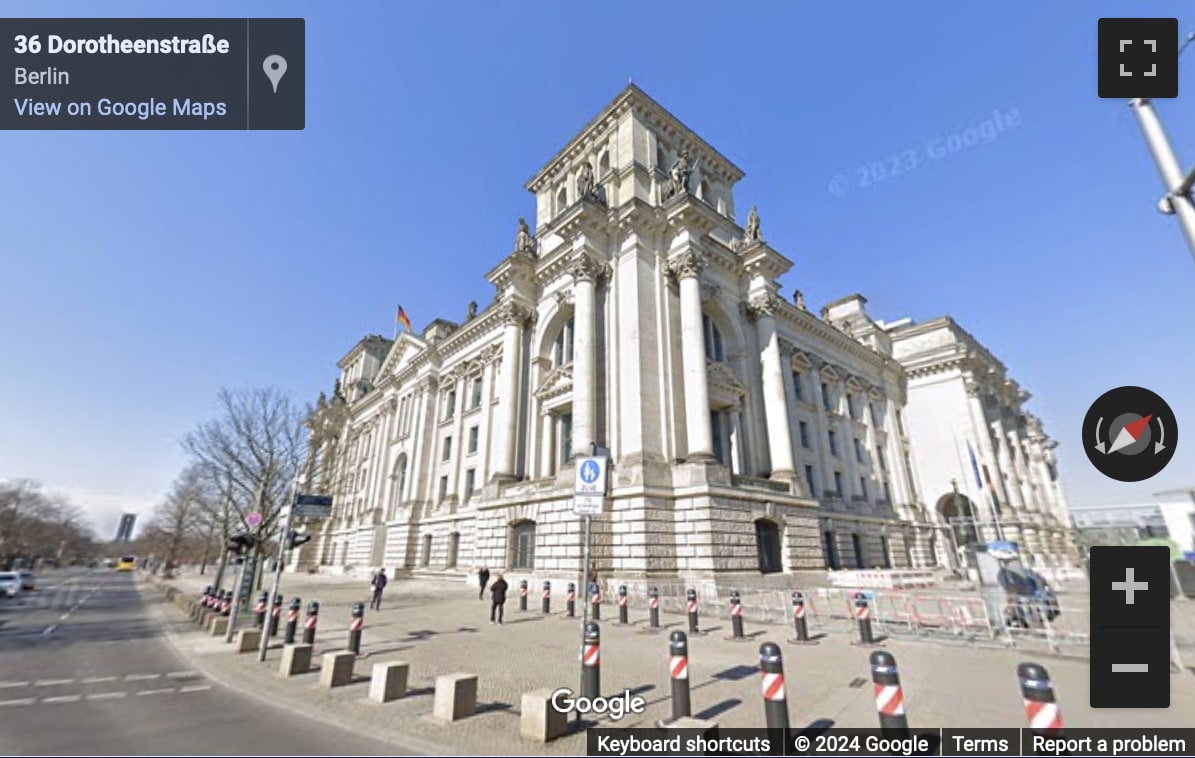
[820, 427]
[737, 460]
[987, 456]
[846, 432]
[780, 443]
[585, 273]
[687, 267]
[547, 445]
[503, 461]
[902, 489]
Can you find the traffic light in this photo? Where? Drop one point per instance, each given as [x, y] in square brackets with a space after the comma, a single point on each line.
[294, 539]
[241, 543]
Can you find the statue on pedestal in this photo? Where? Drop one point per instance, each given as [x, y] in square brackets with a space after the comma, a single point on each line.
[472, 310]
[524, 242]
[752, 232]
[585, 184]
[799, 299]
[682, 169]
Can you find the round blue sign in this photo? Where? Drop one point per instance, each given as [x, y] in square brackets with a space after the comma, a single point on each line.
[590, 471]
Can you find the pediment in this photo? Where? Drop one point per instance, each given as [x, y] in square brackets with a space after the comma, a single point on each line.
[722, 377]
[405, 348]
[558, 382]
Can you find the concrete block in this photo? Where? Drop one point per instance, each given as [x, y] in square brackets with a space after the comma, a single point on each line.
[456, 697]
[248, 640]
[296, 659]
[219, 625]
[388, 681]
[705, 728]
[540, 721]
[337, 669]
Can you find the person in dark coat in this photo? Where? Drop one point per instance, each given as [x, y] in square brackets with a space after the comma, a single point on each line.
[498, 596]
[483, 578]
[379, 583]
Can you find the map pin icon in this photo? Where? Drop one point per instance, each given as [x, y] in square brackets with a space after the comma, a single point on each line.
[275, 67]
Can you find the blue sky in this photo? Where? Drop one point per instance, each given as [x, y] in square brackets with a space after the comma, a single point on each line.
[144, 270]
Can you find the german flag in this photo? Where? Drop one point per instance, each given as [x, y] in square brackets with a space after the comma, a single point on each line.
[401, 317]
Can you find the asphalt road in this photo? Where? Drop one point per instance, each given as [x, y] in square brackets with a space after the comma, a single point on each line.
[85, 670]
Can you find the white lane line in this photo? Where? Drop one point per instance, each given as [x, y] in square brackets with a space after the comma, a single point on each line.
[156, 692]
[22, 701]
[180, 674]
[62, 699]
[49, 630]
[106, 695]
[195, 688]
[51, 682]
[97, 679]
[64, 617]
[10, 685]
[140, 677]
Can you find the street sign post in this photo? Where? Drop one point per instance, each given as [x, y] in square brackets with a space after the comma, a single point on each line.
[253, 520]
[589, 495]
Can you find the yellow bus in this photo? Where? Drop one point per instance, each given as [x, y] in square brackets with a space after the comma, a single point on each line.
[127, 563]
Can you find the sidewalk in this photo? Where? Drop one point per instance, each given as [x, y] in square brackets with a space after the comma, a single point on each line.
[441, 627]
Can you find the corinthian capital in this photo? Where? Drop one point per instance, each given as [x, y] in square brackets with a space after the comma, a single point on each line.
[973, 388]
[513, 314]
[585, 269]
[687, 264]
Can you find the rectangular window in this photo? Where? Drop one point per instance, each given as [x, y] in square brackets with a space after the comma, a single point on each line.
[880, 458]
[833, 442]
[863, 486]
[804, 429]
[470, 476]
[858, 450]
[450, 404]
[827, 398]
[716, 435]
[443, 488]
[447, 449]
[566, 436]
[838, 482]
[799, 385]
[812, 482]
[887, 493]
[476, 392]
[850, 405]
[472, 439]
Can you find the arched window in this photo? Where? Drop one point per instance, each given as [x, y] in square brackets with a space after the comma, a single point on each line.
[703, 189]
[561, 199]
[562, 349]
[399, 486]
[767, 546]
[522, 545]
[714, 349]
[604, 164]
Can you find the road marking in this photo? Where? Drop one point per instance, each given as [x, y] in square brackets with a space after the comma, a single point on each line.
[10, 685]
[64, 617]
[195, 688]
[49, 630]
[98, 679]
[156, 692]
[140, 677]
[22, 701]
[106, 695]
[180, 674]
[51, 682]
[63, 699]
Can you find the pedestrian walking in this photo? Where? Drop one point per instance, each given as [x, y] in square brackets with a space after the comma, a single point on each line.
[498, 596]
[379, 583]
[483, 578]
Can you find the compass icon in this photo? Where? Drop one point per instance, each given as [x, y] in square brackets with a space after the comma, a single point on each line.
[1129, 434]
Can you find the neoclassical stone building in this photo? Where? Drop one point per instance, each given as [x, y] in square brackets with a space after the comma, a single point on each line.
[747, 436]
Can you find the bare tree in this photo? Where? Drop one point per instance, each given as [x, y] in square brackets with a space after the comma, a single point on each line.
[246, 459]
[176, 520]
[35, 524]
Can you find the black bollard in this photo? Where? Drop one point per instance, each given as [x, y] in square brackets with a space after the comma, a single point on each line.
[259, 612]
[595, 601]
[570, 602]
[678, 670]
[1037, 691]
[523, 595]
[863, 616]
[799, 623]
[653, 605]
[276, 616]
[547, 607]
[775, 701]
[890, 699]
[691, 597]
[206, 597]
[356, 623]
[591, 673]
[292, 621]
[226, 604]
[736, 616]
[310, 622]
[622, 604]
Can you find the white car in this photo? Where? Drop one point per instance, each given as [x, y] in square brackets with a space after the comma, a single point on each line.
[10, 584]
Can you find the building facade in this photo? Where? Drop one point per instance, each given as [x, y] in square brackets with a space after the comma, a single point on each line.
[746, 435]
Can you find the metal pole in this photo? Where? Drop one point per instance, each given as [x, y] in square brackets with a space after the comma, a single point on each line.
[584, 607]
[1178, 198]
[274, 601]
[236, 602]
